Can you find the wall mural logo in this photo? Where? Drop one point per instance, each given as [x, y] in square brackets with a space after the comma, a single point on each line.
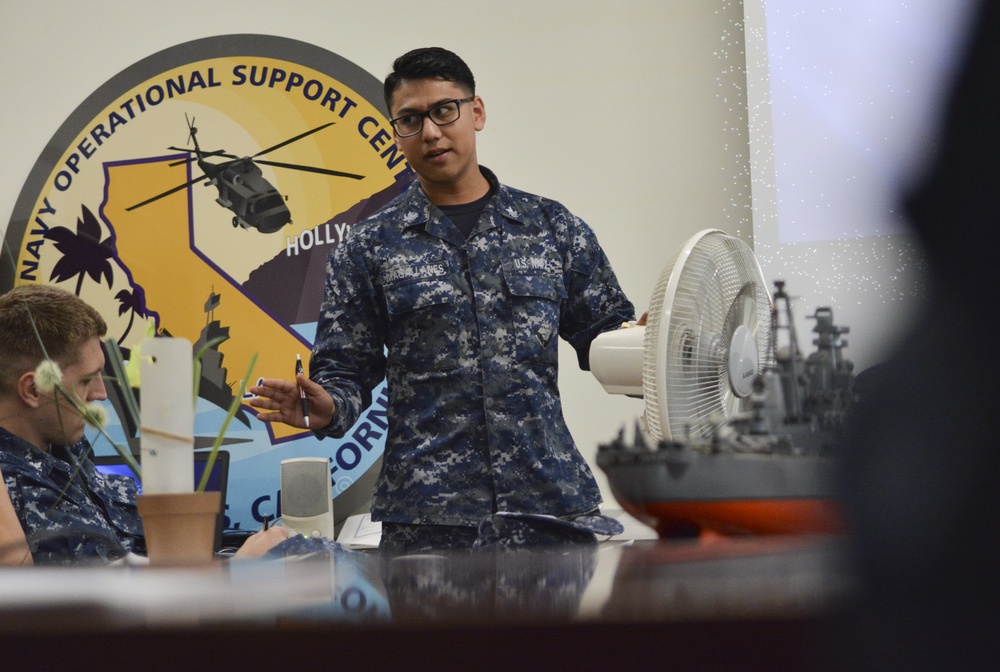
[199, 191]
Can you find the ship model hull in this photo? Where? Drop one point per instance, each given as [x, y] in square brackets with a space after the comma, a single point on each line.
[681, 491]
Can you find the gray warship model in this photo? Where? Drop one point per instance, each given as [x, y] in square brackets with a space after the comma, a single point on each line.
[767, 470]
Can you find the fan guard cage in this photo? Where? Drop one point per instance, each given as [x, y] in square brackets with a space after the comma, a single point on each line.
[708, 298]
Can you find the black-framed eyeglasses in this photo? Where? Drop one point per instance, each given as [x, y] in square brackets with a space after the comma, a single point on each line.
[442, 114]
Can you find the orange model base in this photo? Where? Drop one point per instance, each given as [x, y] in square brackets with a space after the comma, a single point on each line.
[752, 516]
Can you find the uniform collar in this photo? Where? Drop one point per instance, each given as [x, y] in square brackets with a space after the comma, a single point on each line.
[417, 210]
[16, 446]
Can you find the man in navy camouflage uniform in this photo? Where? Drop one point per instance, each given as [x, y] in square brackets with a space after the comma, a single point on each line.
[456, 292]
[68, 511]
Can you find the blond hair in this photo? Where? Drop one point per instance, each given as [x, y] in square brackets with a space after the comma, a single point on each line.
[43, 320]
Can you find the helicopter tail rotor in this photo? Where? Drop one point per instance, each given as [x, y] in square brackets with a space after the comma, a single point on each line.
[191, 130]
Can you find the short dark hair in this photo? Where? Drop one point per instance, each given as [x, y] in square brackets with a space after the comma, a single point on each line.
[428, 63]
[62, 320]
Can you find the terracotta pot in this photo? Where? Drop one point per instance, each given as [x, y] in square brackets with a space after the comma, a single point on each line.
[180, 527]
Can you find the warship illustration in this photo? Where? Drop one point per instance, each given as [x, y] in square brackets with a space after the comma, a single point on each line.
[212, 386]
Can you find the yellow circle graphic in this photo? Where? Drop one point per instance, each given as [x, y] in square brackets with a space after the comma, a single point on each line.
[198, 194]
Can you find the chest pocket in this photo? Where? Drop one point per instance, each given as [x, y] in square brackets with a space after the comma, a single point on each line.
[536, 301]
[119, 503]
[423, 309]
[417, 285]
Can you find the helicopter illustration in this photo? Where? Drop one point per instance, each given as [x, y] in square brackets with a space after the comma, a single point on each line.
[254, 201]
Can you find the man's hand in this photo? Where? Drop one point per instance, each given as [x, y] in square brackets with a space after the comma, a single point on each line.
[262, 542]
[283, 399]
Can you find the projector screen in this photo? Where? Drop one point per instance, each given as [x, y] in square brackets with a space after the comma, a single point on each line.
[843, 102]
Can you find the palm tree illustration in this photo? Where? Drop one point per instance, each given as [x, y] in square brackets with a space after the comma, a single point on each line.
[84, 253]
[134, 300]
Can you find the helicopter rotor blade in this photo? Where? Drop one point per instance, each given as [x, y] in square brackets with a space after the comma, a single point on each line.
[167, 193]
[291, 140]
[218, 152]
[198, 158]
[311, 169]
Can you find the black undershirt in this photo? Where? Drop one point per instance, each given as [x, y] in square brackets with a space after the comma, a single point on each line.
[465, 215]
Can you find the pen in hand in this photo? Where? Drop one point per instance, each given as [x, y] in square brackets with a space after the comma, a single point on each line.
[302, 393]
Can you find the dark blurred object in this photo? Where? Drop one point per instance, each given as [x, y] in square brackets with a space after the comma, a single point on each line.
[495, 584]
[919, 475]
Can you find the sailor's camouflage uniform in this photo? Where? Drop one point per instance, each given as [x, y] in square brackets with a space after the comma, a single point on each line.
[94, 519]
[464, 331]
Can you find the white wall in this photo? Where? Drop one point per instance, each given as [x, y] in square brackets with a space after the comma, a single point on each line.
[844, 101]
[632, 113]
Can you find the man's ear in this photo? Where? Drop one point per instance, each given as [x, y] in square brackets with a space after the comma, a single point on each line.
[479, 113]
[27, 391]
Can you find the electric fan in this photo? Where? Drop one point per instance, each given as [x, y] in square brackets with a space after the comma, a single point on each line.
[707, 337]
[717, 450]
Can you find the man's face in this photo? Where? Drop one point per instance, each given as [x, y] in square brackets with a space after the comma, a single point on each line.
[441, 155]
[83, 381]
